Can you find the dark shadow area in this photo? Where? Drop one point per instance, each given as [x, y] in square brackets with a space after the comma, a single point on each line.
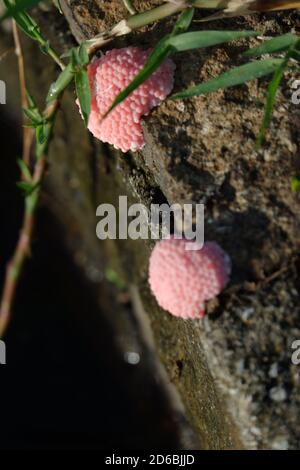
[66, 384]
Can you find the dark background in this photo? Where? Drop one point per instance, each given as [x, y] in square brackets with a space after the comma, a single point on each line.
[65, 384]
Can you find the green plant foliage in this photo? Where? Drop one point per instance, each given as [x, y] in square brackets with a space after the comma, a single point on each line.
[278, 44]
[27, 184]
[233, 77]
[24, 170]
[271, 98]
[28, 188]
[14, 8]
[76, 69]
[180, 41]
[31, 29]
[79, 61]
[289, 43]
[26, 23]
[200, 39]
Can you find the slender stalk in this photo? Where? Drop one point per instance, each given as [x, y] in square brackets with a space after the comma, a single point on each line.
[27, 132]
[19, 54]
[51, 53]
[22, 250]
[31, 28]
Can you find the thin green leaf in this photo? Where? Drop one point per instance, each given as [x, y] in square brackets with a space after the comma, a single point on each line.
[34, 116]
[28, 188]
[16, 7]
[26, 23]
[197, 39]
[43, 134]
[83, 55]
[79, 58]
[278, 44]
[24, 170]
[30, 100]
[271, 98]
[31, 28]
[83, 93]
[233, 77]
[32, 112]
[295, 55]
[63, 80]
[45, 47]
[294, 51]
[184, 21]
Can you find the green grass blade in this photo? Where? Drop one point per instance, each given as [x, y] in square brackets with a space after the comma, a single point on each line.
[277, 44]
[295, 55]
[25, 22]
[197, 39]
[184, 21]
[24, 170]
[233, 77]
[19, 6]
[83, 93]
[31, 28]
[271, 98]
[79, 62]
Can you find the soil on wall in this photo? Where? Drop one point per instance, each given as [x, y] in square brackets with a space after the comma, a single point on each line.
[233, 370]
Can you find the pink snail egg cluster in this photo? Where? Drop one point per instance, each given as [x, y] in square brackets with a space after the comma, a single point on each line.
[182, 280]
[109, 75]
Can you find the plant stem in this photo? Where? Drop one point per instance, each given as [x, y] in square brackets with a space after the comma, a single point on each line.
[22, 250]
[51, 53]
[27, 132]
